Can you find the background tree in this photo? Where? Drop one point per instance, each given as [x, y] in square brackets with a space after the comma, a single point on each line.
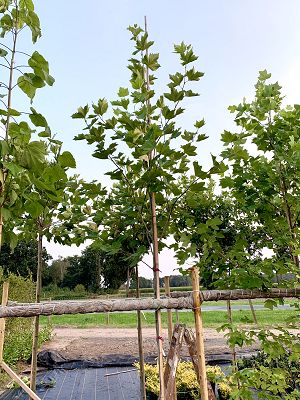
[264, 170]
[212, 233]
[23, 260]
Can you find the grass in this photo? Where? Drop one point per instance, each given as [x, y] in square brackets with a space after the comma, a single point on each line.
[211, 319]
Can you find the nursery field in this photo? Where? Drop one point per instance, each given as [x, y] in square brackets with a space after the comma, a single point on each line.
[211, 319]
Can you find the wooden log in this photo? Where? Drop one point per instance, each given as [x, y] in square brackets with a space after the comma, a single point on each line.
[19, 381]
[191, 344]
[94, 306]
[172, 362]
[202, 378]
[240, 294]
[2, 320]
[175, 302]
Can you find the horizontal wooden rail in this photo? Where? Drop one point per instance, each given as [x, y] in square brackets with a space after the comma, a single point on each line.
[182, 300]
[242, 294]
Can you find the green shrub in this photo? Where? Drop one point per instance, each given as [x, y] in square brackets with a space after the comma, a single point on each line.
[79, 288]
[18, 332]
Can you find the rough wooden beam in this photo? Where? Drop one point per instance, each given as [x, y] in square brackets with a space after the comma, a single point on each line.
[240, 294]
[93, 306]
[178, 301]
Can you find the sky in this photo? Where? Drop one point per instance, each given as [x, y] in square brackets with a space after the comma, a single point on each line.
[87, 46]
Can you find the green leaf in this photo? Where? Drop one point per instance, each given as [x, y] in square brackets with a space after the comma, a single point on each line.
[199, 173]
[3, 53]
[194, 75]
[6, 213]
[152, 61]
[199, 124]
[81, 112]
[123, 92]
[189, 149]
[27, 5]
[270, 303]
[101, 107]
[33, 155]
[10, 111]
[37, 119]
[40, 67]
[228, 137]
[14, 168]
[28, 83]
[66, 159]
[34, 209]
[264, 75]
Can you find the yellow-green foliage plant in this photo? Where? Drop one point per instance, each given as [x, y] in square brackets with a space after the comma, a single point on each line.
[186, 381]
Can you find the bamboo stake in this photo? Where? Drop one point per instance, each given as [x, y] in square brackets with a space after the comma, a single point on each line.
[169, 312]
[140, 341]
[199, 334]
[158, 322]
[229, 313]
[35, 339]
[253, 311]
[18, 380]
[1, 221]
[2, 320]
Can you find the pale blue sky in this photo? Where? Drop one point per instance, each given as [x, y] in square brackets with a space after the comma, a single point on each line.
[87, 46]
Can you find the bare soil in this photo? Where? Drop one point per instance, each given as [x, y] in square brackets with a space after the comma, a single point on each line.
[93, 343]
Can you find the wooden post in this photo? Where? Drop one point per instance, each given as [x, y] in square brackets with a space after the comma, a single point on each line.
[199, 334]
[2, 320]
[253, 312]
[191, 344]
[229, 313]
[140, 341]
[172, 362]
[107, 314]
[169, 312]
[35, 338]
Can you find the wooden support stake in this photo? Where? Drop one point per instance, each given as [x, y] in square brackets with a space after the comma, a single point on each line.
[253, 312]
[2, 320]
[191, 344]
[169, 312]
[229, 313]
[199, 335]
[35, 338]
[19, 381]
[140, 341]
[172, 362]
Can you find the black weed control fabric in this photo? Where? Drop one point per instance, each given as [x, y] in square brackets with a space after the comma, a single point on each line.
[83, 384]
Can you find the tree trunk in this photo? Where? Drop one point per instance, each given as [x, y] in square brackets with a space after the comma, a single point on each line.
[35, 338]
